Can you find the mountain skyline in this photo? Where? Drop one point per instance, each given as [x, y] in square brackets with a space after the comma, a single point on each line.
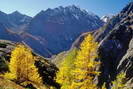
[31, 8]
[64, 24]
[66, 47]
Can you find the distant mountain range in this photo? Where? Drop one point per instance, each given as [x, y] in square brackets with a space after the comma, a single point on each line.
[14, 21]
[50, 31]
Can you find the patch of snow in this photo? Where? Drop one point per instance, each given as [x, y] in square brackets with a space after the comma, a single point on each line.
[76, 16]
[106, 18]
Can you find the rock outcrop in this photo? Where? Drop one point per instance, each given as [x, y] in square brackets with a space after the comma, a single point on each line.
[115, 49]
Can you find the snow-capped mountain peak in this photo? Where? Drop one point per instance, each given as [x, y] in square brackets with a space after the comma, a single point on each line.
[106, 18]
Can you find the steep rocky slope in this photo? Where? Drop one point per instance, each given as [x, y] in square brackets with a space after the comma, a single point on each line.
[6, 33]
[115, 49]
[56, 29]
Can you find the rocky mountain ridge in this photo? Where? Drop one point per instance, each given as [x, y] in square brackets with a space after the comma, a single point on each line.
[14, 21]
[52, 31]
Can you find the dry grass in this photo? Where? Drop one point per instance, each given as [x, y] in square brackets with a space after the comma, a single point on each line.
[7, 84]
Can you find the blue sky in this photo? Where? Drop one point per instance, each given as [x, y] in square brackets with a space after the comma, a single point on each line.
[32, 7]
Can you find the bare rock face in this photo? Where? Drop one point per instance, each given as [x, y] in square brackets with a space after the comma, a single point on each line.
[126, 63]
[56, 29]
[115, 49]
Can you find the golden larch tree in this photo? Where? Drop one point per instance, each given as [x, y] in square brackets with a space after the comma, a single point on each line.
[21, 66]
[64, 76]
[85, 65]
[119, 82]
[104, 86]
